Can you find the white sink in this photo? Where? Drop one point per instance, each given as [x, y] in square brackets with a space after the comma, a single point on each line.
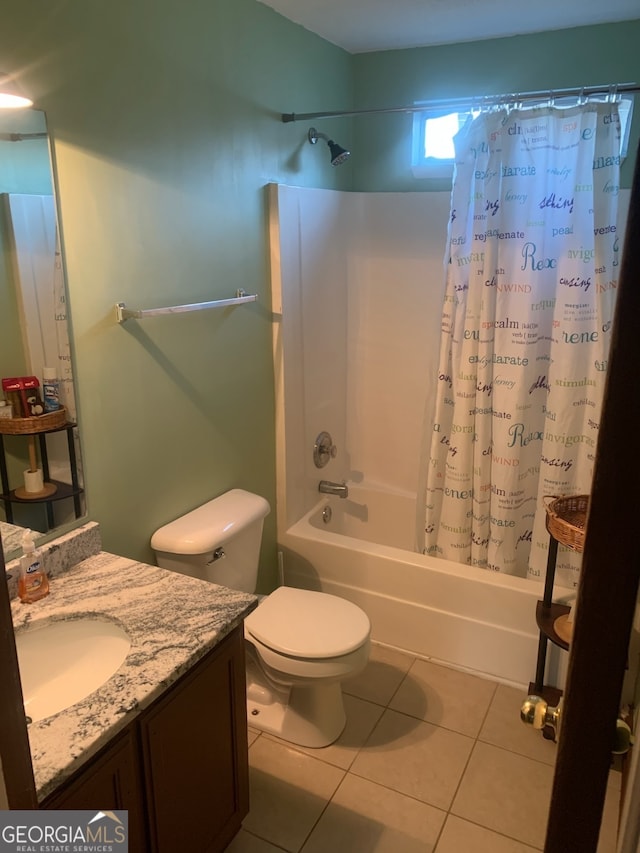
[63, 662]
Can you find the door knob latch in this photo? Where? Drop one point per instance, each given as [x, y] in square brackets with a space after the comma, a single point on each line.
[536, 712]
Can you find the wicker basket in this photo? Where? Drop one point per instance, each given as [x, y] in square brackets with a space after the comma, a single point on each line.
[566, 517]
[41, 423]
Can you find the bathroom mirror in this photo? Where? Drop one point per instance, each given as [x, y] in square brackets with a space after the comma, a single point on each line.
[33, 319]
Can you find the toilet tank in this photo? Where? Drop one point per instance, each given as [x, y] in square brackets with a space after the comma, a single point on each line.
[218, 542]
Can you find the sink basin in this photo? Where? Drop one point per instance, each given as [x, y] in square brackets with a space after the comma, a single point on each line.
[63, 662]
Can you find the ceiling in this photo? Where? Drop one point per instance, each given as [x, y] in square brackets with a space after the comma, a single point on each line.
[359, 26]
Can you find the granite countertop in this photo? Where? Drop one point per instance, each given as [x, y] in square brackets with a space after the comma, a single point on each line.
[172, 620]
[11, 537]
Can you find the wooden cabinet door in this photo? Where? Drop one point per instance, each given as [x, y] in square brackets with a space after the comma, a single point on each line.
[194, 743]
[111, 781]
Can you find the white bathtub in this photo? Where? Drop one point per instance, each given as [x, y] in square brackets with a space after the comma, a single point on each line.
[466, 617]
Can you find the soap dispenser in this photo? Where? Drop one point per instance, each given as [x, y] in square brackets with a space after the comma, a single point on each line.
[33, 583]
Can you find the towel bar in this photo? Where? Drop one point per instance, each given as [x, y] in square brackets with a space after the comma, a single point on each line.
[123, 313]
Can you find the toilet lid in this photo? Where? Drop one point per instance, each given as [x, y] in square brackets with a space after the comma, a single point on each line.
[305, 624]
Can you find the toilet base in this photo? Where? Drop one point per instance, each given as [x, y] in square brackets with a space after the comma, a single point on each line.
[311, 716]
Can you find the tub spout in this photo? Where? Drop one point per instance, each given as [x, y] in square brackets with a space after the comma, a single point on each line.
[329, 488]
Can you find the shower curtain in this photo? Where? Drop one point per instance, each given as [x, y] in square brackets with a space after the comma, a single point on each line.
[531, 275]
[41, 296]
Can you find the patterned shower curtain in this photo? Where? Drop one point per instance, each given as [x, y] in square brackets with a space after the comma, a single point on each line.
[531, 272]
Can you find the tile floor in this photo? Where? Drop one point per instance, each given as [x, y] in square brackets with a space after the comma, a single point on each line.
[431, 759]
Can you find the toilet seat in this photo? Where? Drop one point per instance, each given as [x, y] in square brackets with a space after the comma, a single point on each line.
[310, 625]
[288, 669]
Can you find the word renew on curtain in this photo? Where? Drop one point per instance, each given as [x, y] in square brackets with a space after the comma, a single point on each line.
[531, 280]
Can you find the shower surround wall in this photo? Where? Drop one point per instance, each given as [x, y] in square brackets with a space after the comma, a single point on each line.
[362, 281]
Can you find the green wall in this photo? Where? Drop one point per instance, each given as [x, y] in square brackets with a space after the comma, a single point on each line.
[165, 117]
[562, 59]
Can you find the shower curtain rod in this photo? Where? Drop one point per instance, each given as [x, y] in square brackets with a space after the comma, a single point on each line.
[480, 100]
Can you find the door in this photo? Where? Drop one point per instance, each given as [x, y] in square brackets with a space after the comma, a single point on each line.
[609, 579]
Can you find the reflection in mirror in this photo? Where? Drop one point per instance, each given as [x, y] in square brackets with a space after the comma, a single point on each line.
[33, 335]
[11, 536]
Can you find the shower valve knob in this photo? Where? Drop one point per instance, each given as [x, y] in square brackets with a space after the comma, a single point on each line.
[324, 449]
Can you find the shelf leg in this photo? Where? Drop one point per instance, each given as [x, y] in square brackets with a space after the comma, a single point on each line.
[551, 570]
[4, 477]
[44, 458]
[74, 471]
[540, 666]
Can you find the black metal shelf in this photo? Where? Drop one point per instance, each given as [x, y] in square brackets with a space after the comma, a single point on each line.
[546, 614]
[63, 490]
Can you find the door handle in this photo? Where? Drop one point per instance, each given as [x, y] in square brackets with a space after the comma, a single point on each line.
[536, 712]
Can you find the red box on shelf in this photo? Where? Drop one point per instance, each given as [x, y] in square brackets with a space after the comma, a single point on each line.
[23, 392]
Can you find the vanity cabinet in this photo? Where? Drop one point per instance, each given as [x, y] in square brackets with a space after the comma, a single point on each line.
[195, 755]
[181, 768]
[112, 781]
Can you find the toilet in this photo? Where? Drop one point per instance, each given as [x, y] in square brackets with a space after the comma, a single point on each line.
[300, 644]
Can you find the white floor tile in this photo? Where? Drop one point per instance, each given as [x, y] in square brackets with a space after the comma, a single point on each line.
[414, 758]
[507, 793]
[610, 816]
[364, 817]
[288, 793]
[445, 697]
[503, 727]
[244, 842]
[460, 836]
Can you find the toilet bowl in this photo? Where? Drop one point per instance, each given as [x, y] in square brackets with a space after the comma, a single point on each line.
[300, 644]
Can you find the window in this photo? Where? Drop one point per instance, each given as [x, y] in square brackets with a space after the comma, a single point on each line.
[433, 151]
[433, 133]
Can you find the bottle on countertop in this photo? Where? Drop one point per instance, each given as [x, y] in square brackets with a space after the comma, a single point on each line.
[33, 583]
[50, 389]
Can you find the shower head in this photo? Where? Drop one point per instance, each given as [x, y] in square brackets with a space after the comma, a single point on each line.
[338, 153]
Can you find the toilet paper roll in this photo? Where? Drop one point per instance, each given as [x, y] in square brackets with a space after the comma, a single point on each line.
[33, 481]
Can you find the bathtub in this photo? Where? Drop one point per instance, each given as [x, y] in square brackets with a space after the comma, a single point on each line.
[465, 617]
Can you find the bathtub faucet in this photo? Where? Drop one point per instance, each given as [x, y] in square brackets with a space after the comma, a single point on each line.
[329, 488]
